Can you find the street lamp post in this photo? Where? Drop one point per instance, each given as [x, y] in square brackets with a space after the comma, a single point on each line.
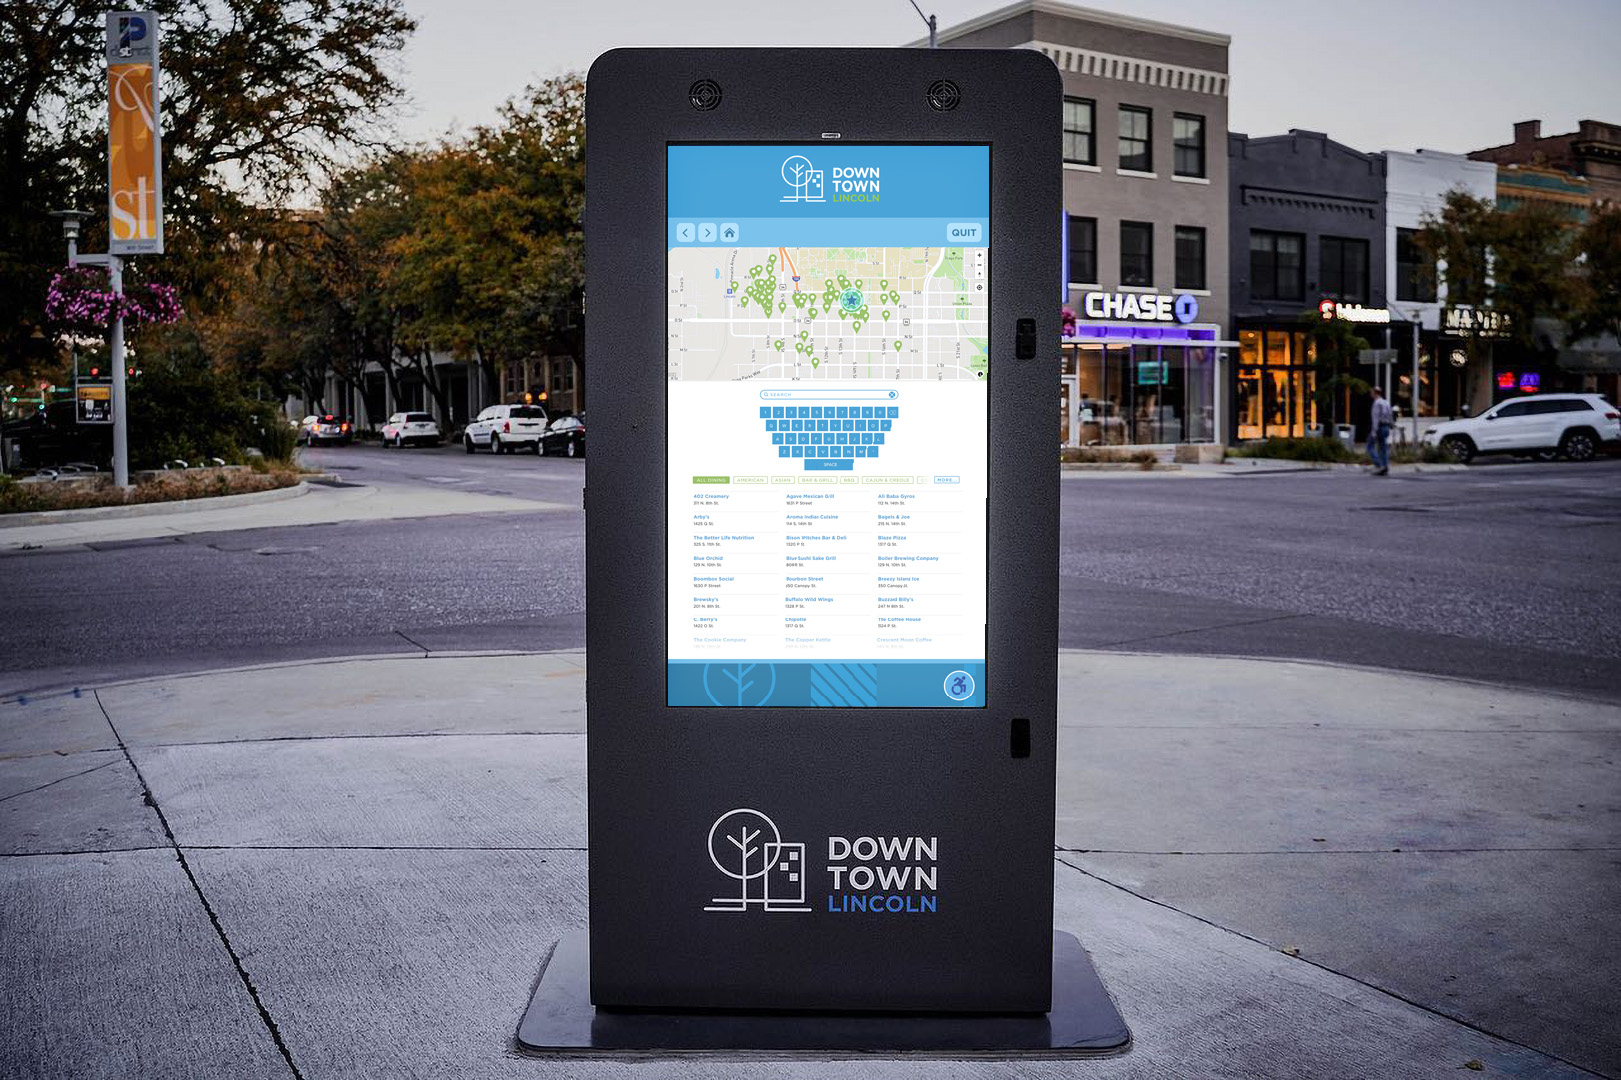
[115, 273]
[928, 19]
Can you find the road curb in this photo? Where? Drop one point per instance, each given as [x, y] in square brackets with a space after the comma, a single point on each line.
[177, 506]
[1116, 466]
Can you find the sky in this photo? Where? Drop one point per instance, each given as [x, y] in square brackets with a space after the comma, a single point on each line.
[1448, 75]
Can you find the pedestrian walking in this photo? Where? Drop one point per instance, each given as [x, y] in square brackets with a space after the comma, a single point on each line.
[1380, 422]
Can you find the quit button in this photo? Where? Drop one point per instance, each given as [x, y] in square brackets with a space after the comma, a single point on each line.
[965, 232]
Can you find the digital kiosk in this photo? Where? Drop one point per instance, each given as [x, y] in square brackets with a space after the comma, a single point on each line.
[821, 559]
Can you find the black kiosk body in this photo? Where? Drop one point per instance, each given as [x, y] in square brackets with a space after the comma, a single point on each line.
[821, 529]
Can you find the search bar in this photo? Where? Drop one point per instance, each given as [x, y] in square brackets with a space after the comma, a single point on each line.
[796, 394]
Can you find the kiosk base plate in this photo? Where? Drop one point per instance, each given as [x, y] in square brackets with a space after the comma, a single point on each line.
[561, 1021]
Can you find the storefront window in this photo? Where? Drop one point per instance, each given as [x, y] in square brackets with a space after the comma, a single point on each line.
[1136, 142]
[1277, 265]
[1344, 268]
[1078, 128]
[1136, 253]
[1139, 395]
[1274, 386]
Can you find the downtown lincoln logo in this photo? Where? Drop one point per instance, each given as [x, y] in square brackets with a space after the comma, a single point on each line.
[868, 874]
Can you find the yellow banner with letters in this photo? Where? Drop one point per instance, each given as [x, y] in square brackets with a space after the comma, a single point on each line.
[134, 142]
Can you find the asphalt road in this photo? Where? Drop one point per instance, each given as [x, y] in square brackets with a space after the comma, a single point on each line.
[1506, 572]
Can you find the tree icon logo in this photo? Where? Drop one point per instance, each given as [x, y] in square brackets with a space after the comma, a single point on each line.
[745, 846]
[805, 179]
[739, 683]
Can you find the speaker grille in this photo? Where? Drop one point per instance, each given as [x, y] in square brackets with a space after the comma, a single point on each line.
[704, 94]
[943, 95]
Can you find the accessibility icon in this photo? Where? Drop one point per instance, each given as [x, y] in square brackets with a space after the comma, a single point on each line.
[959, 686]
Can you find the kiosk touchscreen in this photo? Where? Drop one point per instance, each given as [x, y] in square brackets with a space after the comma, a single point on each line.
[821, 529]
[829, 353]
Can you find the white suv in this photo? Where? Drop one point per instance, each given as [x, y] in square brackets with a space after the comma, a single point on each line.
[506, 428]
[1574, 426]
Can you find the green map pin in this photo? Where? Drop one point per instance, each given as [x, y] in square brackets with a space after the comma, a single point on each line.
[779, 345]
[883, 284]
[815, 363]
[855, 326]
[782, 306]
[803, 334]
[886, 316]
[897, 346]
[743, 300]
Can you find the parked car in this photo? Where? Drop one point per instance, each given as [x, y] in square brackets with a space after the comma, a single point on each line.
[326, 428]
[1573, 426]
[506, 429]
[566, 436]
[54, 436]
[405, 428]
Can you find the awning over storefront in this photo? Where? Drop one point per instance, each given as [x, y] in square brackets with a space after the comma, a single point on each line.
[1196, 335]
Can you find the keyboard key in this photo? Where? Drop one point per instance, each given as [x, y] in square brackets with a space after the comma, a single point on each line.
[894, 411]
[821, 425]
[842, 412]
[824, 452]
[879, 438]
[866, 437]
[872, 451]
[885, 424]
[798, 451]
[804, 437]
[842, 438]
[782, 451]
[816, 412]
[861, 451]
[861, 425]
[776, 438]
[765, 412]
[849, 451]
[804, 412]
[866, 411]
[849, 425]
[798, 425]
[771, 425]
[776, 411]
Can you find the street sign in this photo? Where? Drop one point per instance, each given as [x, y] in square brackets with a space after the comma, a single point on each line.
[95, 402]
[1376, 356]
[822, 696]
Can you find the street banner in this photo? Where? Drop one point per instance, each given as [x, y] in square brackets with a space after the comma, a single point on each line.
[134, 146]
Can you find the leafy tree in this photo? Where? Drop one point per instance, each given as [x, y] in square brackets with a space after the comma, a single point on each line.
[1334, 348]
[258, 96]
[1517, 262]
[1598, 299]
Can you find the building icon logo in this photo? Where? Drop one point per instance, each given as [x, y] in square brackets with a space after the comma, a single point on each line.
[804, 178]
[745, 846]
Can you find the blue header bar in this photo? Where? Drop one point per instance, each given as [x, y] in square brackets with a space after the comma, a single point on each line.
[827, 232]
[828, 181]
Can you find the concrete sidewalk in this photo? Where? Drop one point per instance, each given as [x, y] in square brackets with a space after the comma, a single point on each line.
[355, 868]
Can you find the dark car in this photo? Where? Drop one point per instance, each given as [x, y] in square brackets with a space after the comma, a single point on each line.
[54, 436]
[327, 428]
[566, 436]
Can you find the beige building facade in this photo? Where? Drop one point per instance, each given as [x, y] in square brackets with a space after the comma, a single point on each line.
[1145, 232]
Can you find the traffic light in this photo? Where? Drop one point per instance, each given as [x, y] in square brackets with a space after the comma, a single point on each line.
[95, 372]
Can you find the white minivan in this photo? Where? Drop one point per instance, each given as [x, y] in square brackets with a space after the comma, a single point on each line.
[1573, 426]
[506, 429]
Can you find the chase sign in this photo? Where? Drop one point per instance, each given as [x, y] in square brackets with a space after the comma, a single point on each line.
[1141, 307]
